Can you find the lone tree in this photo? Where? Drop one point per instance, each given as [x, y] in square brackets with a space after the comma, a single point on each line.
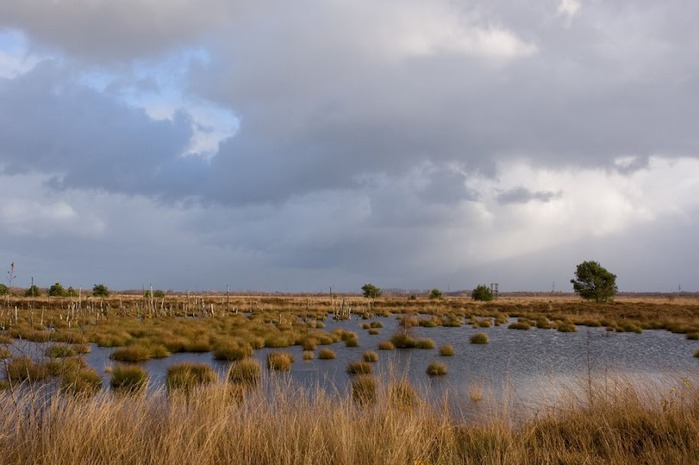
[100, 290]
[482, 293]
[593, 282]
[371, 291]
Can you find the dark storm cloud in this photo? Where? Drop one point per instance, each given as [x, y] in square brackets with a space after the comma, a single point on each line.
[108, 32]
[85, 139]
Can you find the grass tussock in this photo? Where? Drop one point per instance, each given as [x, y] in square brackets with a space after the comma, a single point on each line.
[370, 356]
[245, 372]
[386, 345]
[424, 343]
[24, 369]
[279, 361]
[60, 351]
[624, 425]
[437, 369]
[479, 338]
[80, 381]
[187, 376]
[129, 379]
[359, 368]
[326, 354]
[447, 350]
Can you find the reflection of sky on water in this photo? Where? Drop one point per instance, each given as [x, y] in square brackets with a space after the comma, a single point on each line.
[527, 367]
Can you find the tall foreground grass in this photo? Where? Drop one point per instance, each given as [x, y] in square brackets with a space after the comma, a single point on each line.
[619, 425]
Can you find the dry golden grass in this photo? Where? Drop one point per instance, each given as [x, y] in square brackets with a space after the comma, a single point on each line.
[286, 425]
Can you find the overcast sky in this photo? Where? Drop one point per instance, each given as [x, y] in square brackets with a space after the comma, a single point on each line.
[293, 146]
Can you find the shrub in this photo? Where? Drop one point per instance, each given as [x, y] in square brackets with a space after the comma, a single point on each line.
[479, 338]
[482, 293]
[33, 291]
[424, 343]
[364, 389]
[370, 356]
[4, 290]
[60, 351]
[436, 369]
[447, 350]
[386, 345]
[128, 378]
[186, 376]
[359, 368]
[436, 294]
[326, 354]
[56, 290]
[279, 361]
[100, 290]
[245, 372]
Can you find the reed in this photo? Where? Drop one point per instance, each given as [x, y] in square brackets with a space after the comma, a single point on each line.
[627, 424]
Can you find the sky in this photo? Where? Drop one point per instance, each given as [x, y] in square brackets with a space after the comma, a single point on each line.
[297, 146]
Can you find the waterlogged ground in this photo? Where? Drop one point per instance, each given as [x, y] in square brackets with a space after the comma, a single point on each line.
[528, 366]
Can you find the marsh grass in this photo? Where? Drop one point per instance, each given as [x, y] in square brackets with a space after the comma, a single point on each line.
[131, 354]
[5, 353]
[187, 376]
[128, 379]
[307, 355]
[437, 369]
[370, 356]
[386, 345]
[60, 351]
[479, 338]
[424, 343]
[245, 372]
[447, 350]
[520, 325]
[359, 368]
[80, 380]
[626, 425]
[24, 369]
[279, 361]
[364, 389]
[232, 351]
[326, 354]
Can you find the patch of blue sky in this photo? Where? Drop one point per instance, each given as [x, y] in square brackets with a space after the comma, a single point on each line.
[159, 88]
[15, 58]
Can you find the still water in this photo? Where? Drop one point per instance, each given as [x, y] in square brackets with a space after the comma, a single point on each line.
[529, 365]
